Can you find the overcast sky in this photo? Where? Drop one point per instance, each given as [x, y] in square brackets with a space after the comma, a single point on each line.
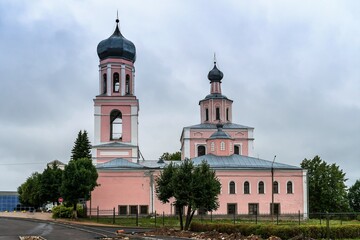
[291, 67]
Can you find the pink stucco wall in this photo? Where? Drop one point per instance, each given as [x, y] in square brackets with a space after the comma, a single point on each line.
[199, 137]
[134, 188]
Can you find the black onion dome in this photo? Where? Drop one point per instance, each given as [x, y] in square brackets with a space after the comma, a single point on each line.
[215, 75]
[116, 46]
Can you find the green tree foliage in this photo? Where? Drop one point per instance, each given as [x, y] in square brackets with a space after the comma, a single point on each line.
[29, 191]
[79, 179]
[327, 189]
[193, 187]
[50, 183]
[354, 196]
[82, 146]
[176, 156]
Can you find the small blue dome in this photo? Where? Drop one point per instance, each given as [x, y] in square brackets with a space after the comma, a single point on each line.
[220, 134]
[116, 46]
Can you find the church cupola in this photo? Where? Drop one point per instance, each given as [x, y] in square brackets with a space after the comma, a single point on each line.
[117, 46]
[215, 76]
[215, 107]
[220, 143]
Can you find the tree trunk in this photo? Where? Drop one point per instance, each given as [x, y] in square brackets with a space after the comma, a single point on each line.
[181, 218]
[188, 218]
[75, 211]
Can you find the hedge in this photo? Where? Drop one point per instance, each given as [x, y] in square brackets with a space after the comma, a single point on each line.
[281, 231]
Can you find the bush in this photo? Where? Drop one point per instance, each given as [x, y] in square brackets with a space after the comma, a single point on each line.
[281, 231]
[81, 213]
[62, 212]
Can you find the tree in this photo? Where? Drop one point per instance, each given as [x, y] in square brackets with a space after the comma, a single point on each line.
[354, 196]
[82, 146]
[29, 191]
[78, 180]
[171, 156]
[327, 189]
[50, 183]
[194, 187]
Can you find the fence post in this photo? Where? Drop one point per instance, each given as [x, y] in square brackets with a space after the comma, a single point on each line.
[340, 218]
[97, 214]
[113, 216]
[277, 218]
[299, 217]
[155, 219]
[327, 226]
[137, 219]
[234, 217]
[256, 217]
[163, 218]
[210, 216]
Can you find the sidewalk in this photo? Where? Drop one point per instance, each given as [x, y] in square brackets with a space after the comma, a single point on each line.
[32, 215]
[44, 216]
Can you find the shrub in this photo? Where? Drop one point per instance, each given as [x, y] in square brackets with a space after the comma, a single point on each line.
[281, 231]
[62, 212]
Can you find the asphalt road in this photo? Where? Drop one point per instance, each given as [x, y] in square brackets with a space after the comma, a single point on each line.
[12, 228]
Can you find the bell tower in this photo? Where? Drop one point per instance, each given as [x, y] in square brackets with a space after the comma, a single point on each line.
[116, 106]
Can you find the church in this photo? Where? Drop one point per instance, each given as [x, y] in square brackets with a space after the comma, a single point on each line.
[249, 185]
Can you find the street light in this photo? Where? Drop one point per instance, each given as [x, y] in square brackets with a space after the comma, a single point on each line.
[272, 189]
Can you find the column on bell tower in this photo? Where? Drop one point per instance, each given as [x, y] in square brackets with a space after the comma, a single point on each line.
[116, 106]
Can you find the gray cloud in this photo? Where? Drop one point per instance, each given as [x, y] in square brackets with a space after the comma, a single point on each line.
[290, 67]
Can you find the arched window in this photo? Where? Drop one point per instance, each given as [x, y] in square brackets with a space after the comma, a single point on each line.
[289, 187]
[127, 84]
[212, 146]
[261, 188]
[227, 114]
[217, 113]
[206, 114]
[232, 187]
[115, 125]
[201, 150]
[237, 149]
[222, 146]
[104, 84]
[116, 82]
[246, 187]
[276, 187]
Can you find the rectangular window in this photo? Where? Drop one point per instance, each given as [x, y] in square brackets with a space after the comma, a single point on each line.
[144, 209]
[206, 114]
[253, 208]
[231, 208]
[276, 208]
[134, 210]
[122, 210]
[217, 113]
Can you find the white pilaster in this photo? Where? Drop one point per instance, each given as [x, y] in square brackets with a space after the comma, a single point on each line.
[305, 194]
[122, 77]
[108, 80]
[133, 81]
[100, 81]
[134, 125]
[97, 124]
[187, 143]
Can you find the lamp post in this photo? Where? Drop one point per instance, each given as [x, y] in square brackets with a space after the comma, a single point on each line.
[272, 189]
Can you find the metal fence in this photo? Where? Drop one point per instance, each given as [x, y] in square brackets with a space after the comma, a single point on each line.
[160, 219]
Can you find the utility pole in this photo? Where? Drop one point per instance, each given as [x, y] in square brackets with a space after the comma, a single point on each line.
[272, 189]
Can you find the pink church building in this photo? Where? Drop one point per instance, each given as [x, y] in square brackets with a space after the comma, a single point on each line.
[249, 185]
